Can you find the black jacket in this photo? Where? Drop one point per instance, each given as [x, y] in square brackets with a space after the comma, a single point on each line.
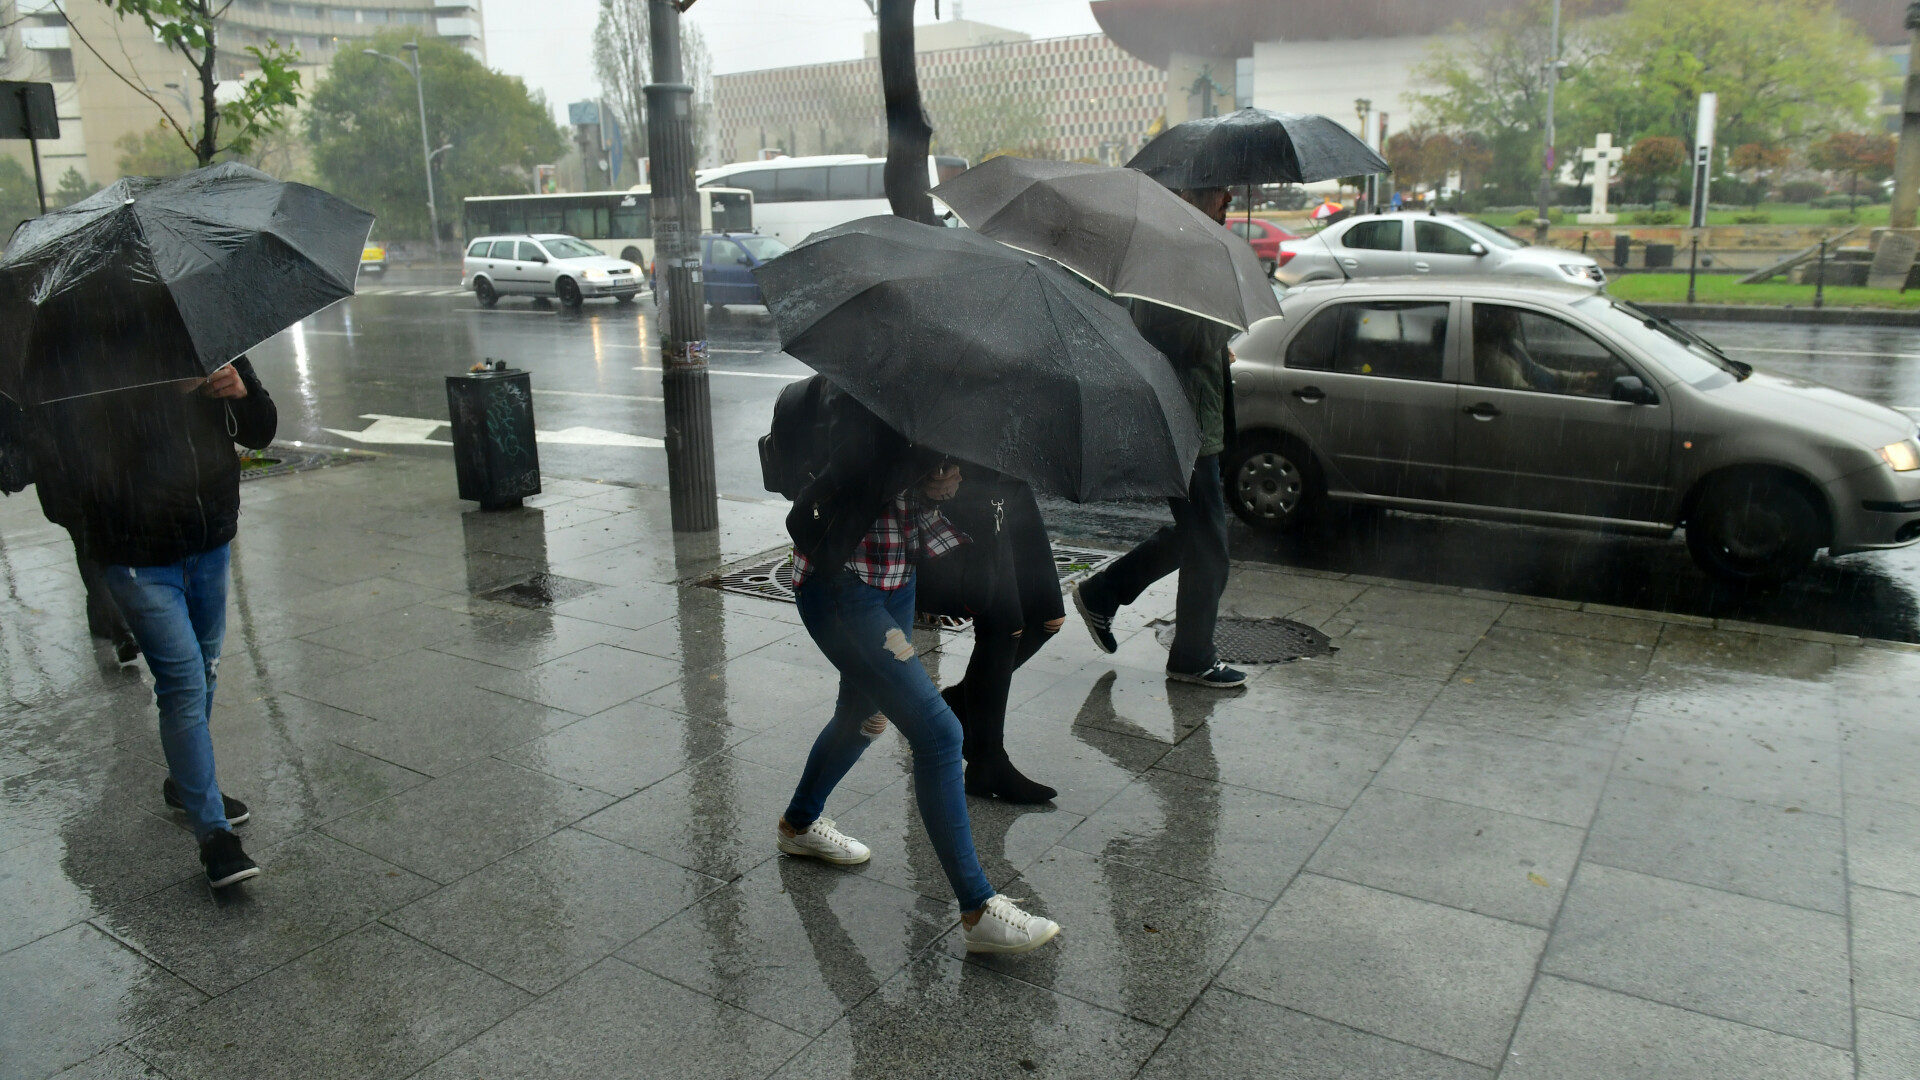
[868, 464]
[147, 477]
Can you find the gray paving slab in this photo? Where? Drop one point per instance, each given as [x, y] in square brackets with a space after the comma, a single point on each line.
[552, 909]
[1229, 1036]
[94, 719]
[1753, 961]
[1006, 838]
[756, 692]
[1686, 651]
[1779, 770]
[1883, 763]
[709, 626]
[1754, 849]
[1574, 1030]
[390, 633]
[1883, 844]
[785, 748]
[1468, 857]
[1416, 972]
[1530, 777]
[1747, 703]
[623, 749]
[1888, 1046]
[1568, 706]
[466, 819]
[941, 1016]
[372, 1004]
[1395, 606]
[1129, 701]
[1886, 951]
[592, 680]
[76, 993]
[118, 1063]
[1298, 759]
[40, 898]
[615, 1019]
[1398, 650]
[103, 841]
[1316, 691]
[1230, 838]
[1527, 652]
[1587, 624]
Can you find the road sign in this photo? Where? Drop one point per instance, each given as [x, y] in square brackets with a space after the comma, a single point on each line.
[27, 112]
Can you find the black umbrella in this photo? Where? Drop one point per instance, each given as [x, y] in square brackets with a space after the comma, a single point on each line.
[1255, 146]
[1119, 230]
[977, 350]
[157, 280]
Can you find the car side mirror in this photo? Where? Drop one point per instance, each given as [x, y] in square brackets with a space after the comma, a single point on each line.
[744, 260]
[539, 258]
[1477, 248]
[1630, 389]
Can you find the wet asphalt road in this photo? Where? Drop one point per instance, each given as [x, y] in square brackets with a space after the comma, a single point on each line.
[386, 354]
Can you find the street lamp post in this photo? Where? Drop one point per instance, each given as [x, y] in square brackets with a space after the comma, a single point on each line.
[427, 152]
[1553, 66]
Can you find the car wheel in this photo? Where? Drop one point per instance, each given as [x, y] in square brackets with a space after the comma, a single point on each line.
[569, 291]
[483, 291]
[1753, 529]
[1271, 482]
[633, 256]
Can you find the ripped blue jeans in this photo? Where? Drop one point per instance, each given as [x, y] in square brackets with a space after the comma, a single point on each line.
[178, 614]
[868, 634]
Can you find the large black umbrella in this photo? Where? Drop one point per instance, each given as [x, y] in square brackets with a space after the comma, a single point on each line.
[1118, 229]
[986, 353]
[157, 280]
[1255, 146]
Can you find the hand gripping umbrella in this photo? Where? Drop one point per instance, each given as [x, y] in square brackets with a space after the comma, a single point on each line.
[994, 356]
[156, 280]
[1118, 229]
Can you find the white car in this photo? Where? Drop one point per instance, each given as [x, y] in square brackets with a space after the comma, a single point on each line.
[1394, 245]
[545, 264]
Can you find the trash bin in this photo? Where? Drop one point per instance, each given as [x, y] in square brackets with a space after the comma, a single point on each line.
[1622, 250]
[494, 456]
[1659, 255]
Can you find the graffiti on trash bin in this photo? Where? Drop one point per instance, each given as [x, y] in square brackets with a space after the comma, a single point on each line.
[504, 408]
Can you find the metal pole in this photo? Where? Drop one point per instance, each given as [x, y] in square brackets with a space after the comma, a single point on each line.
[1693, 260]
[1820, 277]
[692, 492]
[39, 185]
[1546, 159]
[426, 146]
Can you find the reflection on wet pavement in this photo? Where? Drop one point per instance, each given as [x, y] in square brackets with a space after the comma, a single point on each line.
[514, 782]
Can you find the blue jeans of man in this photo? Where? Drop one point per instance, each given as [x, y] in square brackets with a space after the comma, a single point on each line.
[1195, 545]
[867, 633]
[178, 613]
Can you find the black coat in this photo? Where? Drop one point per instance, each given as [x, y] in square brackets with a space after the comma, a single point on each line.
[149, 476]
[868, 465]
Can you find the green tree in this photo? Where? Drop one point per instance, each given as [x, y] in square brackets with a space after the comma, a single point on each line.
[73, 187]
[18, 200]
[985, 114]
[1758, 162]
[1854, 155]
[267, 96]
[1656, 162]
[157, 151]
[364, 123]
[623, 64]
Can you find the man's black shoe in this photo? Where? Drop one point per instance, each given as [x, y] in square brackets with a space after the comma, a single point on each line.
[1098, 624]
[125, 649]
[226, 863]
[237, 812]
[1219, 675]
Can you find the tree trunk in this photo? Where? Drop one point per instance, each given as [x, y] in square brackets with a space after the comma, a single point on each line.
[1853, 192]
[207, 68]
[909, 134]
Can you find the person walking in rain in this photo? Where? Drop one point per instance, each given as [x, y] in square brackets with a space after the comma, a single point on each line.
[857, 529]
[148, 483]
[1196, 543]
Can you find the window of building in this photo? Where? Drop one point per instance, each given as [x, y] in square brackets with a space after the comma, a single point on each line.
[59, 64]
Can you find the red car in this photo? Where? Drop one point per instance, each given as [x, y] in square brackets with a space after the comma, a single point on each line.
[1265, 237]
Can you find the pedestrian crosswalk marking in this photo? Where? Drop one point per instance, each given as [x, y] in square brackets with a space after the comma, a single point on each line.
[415, 431]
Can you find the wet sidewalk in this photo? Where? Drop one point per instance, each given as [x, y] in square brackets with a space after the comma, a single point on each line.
[514, 787]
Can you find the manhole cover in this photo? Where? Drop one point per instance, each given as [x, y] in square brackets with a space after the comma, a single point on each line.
[1257, 641]
[770, 577]
[540, 591]
[283, 460]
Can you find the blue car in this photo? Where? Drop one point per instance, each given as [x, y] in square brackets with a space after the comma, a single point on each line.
[727, 262]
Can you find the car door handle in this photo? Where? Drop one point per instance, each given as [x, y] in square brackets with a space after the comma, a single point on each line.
[1421, 266]
[1312, 395]
[1349, 262]
[1483, 410]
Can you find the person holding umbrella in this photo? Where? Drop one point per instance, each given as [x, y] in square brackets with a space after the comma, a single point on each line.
[124, 324]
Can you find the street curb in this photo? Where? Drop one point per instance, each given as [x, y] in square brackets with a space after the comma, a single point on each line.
[1805, 316]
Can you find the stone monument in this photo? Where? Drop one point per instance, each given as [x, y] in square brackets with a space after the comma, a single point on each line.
[1603, 156]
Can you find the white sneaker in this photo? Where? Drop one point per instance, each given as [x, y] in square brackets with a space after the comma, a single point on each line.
[822, 841]
[1004, 928]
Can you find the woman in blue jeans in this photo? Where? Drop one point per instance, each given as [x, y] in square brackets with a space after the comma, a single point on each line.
[858, 529]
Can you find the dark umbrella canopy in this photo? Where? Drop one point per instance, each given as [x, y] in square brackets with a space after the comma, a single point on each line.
[1118, 229]
[980, 351]
[156, 280]
[1255, 146]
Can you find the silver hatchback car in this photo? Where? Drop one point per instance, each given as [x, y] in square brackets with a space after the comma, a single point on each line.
[1386, 245]
[545, 264]
[1559, 406]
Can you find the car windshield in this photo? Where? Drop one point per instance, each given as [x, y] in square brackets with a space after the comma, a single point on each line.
[1683, 352]
[566, 247]
[1488, 234]
[762, 247]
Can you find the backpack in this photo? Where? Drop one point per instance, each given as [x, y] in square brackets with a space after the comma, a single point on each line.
[797, 447]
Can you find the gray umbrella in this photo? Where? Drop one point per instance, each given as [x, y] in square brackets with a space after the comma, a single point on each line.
[1255, 146]
[1119, 230]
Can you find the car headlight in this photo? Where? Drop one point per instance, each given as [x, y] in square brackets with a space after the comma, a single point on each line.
[595, 275]
[1903, 456]
[1579, 272]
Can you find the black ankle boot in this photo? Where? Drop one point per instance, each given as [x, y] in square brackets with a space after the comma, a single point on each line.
[999, 779]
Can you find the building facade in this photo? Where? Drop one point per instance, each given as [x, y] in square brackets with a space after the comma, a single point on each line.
[96, 105]
[1078, 97]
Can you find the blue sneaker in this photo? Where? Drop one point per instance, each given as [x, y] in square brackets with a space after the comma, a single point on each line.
[1219, 675]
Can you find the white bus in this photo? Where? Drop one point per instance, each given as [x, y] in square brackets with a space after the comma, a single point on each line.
[796, 196]
[615, 222]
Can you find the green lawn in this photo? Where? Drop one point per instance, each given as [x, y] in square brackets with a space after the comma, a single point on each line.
[1777, 214]
[1726, 289]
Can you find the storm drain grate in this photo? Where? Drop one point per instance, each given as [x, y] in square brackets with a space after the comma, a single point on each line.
[769, 576]
[1257, 641]
[282, 460]
[540, 591]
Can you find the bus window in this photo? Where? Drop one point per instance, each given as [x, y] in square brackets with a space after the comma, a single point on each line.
[853, 182]
[801, 185]
[630, 218]
[732, 211]
[760, 182]
[543, 217]
[586, 221]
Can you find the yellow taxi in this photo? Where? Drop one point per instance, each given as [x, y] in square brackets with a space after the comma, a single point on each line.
[373, 257]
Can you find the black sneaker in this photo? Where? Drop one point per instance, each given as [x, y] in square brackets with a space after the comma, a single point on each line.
[237, 812]
[1100, 626]
[1219, 675]
[125, 649]
[226, 863]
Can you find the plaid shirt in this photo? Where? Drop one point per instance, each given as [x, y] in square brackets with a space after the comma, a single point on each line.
[884, 557]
